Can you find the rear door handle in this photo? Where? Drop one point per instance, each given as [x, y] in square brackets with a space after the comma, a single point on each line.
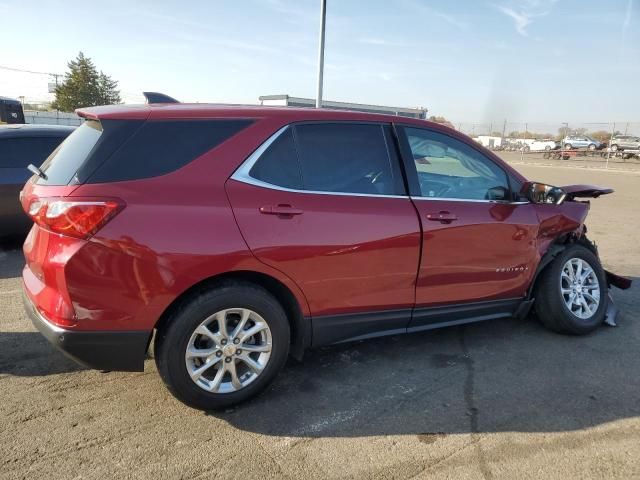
[442, 217]
[280, 210]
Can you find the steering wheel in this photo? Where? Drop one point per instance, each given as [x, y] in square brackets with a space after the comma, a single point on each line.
[434, 188]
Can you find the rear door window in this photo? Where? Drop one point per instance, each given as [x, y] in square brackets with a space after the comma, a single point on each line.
[278, 165]
[345, 158]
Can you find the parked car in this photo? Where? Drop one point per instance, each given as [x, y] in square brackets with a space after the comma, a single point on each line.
[625, 142]
[541, 145]
[582, 141]
[21, 145]
[11, 111]
[243, 235]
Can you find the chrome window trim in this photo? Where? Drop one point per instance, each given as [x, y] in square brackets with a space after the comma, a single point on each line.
[242, 175]
[447, 199]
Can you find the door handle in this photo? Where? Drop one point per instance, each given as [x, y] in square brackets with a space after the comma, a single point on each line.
[281, 209]
[442, 217]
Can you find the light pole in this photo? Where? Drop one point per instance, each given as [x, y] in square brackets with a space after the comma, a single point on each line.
[323, 17]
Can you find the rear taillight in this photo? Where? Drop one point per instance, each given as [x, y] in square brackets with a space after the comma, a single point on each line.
[76, 218]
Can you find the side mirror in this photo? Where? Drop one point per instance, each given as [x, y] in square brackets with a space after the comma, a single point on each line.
[542, 193]
[497, 193]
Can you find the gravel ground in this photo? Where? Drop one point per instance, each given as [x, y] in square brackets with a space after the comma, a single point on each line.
[503, 399]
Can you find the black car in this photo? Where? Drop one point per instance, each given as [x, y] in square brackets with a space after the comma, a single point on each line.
[11, 111]
[21, 145]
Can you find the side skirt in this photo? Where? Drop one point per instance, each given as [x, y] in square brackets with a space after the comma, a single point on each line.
[348, 327]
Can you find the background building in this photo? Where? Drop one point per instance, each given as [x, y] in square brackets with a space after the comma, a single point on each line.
[287, 101]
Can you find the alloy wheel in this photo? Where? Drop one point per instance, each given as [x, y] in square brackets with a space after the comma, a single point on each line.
[228, 350]
[580, 288]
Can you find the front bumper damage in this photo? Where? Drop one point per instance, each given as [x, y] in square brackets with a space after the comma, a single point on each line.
[622, 283]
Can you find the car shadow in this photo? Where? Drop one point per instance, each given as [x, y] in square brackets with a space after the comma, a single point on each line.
[486, 377]
[30, 354]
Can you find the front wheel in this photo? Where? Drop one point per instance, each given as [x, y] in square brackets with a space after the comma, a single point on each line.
[222, 346]
[567, 146]
[614, 148]
[571, 294]
[592, 147]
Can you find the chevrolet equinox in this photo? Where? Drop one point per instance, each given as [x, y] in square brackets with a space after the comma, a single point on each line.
[233, 237]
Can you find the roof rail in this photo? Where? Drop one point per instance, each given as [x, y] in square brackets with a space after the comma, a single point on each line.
[155, 97]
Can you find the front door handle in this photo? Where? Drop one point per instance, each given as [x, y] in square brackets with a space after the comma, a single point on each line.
[442, 217]
[281, 209]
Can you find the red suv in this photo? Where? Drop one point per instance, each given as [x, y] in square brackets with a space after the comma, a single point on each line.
[241, 235]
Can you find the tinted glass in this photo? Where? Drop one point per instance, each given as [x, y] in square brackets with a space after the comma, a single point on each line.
[350, 158]
[449, 168]
[278, 165]
[20, 152]
[65, 161]
[160, 147]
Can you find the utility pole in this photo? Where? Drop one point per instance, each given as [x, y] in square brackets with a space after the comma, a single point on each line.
[613, 131]
[55, 76]
[323, 17]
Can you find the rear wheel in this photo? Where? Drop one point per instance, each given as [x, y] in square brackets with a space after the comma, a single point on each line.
[223, 346]
[571, 295]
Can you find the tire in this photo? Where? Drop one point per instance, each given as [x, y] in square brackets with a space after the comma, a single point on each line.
[614, 148]
[179, 333]
[592, 146]
[550, 303]
[567, 146]
[547, 148]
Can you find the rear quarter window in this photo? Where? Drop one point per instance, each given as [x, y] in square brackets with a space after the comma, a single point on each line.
[160, 147]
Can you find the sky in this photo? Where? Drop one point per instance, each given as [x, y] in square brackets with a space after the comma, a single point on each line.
[470, 61]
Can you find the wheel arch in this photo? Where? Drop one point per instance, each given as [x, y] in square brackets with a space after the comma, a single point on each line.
[560, 244]
[299, 323]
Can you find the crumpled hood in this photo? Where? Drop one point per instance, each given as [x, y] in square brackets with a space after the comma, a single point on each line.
[585, 191]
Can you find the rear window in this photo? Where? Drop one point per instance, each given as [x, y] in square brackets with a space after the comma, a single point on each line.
[20, 152]
[67, 159]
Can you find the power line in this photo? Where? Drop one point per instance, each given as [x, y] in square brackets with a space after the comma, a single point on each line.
[13, 69]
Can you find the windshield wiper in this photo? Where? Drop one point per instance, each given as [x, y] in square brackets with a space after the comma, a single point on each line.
[35, 170]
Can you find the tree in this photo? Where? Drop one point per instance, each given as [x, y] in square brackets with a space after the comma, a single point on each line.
[85, 87]
[603, 135]
[441, 120]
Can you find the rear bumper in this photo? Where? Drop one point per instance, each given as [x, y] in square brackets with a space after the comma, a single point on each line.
[100, 350]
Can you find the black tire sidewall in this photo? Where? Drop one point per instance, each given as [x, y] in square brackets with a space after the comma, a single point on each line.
[552, 305]
[172, 343]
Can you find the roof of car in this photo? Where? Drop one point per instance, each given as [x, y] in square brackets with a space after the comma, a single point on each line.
[208, 110]
[34, 130]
